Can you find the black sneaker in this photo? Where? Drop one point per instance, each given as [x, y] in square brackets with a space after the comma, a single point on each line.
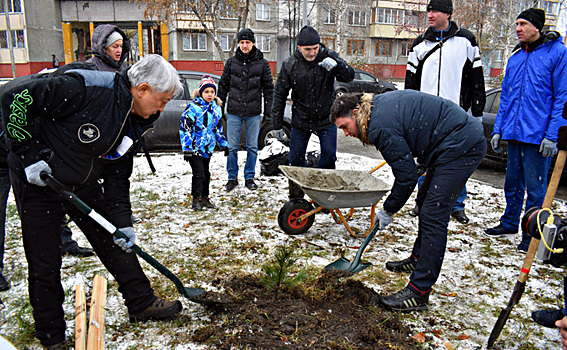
[406, 300]
[79, 251]
[406, 265]
[207, 202]
[250, 184]
[159, 310]
[59, 346]
[547, 318]
[4, 284]
[231, 184]
[198, 204]
[414, 211]
[460, 216]
[499, 231]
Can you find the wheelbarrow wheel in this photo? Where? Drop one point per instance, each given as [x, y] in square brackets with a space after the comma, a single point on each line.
[290, 212]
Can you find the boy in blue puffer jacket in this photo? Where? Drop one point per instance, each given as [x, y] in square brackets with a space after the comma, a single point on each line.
[200, 131]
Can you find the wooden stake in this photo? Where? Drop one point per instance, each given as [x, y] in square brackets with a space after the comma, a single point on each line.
[95, 338]
[80, 318]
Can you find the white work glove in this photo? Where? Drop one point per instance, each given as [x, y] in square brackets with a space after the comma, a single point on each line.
[495, 143]
[122, 243]
[279, 134]
[328, 63]
[33, 173]
[383, 219]
[548, 148]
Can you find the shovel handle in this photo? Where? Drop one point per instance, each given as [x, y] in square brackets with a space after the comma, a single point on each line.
[362, 247]
[378, 167]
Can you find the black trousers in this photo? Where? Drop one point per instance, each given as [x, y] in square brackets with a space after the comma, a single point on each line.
[201, 176]
[41, 211]
[435, 199]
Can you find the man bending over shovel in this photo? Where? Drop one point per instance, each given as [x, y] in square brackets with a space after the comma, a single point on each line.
[79, 126]
[404, 125]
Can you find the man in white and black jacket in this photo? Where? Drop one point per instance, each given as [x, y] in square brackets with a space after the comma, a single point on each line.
[80, 127]
[445, 61]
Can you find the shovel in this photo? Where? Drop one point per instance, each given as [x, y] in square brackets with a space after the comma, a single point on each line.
[355, 266]
[189, 293]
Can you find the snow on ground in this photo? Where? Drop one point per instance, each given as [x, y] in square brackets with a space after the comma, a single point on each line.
[237, 238]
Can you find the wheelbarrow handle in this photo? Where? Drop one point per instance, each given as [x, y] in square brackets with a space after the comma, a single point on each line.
[378, 167]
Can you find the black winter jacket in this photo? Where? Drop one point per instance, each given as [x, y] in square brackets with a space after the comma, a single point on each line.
[60, 119]
[408, 124]
[245, 79]
[312, 89]
[100, 58]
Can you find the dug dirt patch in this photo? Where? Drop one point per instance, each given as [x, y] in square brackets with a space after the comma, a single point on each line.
[335, 313]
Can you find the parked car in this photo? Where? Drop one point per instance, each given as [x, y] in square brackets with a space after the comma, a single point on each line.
[364, 82]
[165, 133]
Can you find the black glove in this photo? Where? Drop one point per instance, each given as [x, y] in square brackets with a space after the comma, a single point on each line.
[187, 155]
[421, 169]
[226, 151]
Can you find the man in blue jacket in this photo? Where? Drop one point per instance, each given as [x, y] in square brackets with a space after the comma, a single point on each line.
[534, 92]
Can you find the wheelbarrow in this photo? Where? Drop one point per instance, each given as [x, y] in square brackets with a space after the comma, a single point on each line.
[332, 190]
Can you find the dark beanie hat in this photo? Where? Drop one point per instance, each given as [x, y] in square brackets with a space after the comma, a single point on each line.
[308, 36]
[246, 34]
[534, 16]
[445, 6]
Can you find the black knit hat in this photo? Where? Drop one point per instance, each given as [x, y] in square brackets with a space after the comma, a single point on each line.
[534, 16]
[308, 36]
[445, 6]
[246, 34]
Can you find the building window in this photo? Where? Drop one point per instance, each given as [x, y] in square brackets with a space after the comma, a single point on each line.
[357, 18]
[390, 16]
[383, 48]
[13, 6]
[329, 16]
[355, 47]
[328, 41]
[228, 10]
[226, 41]
[263, 43]
[262, 12]
[194, 42]
[405, 48]
[550, 7]
[498, 54]
[18, 40]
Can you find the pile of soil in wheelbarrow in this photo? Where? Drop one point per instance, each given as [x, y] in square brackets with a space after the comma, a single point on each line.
[334, 313]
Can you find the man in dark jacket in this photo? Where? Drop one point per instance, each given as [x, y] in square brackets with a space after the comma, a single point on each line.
[110, 48]
[310, 74]
[404, 125]
[246, 80]
[58, 125]
[453, 71]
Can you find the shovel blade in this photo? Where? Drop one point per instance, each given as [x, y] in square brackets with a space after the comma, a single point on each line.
[340, 264]
[356, 269]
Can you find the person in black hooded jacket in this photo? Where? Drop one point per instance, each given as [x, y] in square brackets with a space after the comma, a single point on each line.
[246, 78]
[310, 75]
[57, 124]
[404, 125]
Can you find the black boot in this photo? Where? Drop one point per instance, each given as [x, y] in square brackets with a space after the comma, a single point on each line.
[198, 204]
[406, 300]
[208, 204]
[4, 284]
[547, 318]
[159, 310]
[406, 265]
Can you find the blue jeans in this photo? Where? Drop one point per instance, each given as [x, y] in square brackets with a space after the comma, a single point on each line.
[526, 170]
[328, 142]
[459, 204]
[234, 130]
[4, 191]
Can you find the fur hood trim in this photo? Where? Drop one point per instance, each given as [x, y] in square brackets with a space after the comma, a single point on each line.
[196, 94]
[363, 116]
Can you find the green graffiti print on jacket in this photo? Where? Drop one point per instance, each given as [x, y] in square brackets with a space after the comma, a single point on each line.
[18, 118]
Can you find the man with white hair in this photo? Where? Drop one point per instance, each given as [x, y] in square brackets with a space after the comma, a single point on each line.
[80, 126]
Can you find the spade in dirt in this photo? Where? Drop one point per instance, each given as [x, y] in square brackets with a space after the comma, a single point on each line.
[355, 266]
